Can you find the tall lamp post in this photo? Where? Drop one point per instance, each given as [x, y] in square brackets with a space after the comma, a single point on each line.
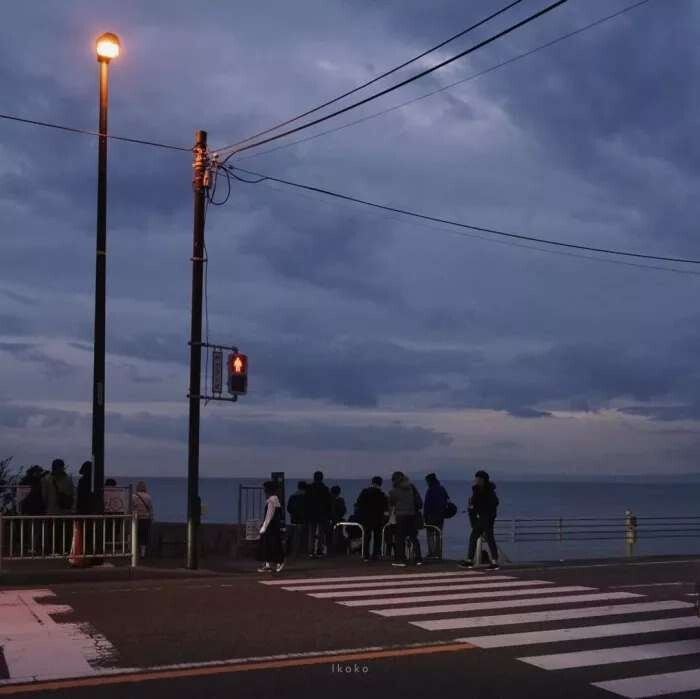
[108, 46]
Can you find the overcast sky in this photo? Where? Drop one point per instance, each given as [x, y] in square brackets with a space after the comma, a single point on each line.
[374, 342]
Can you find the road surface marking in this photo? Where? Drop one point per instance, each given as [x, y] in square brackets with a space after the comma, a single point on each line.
[659, 584]
[607, 656]
[35, 646]
[385, 583]
[503, 604]
[354, 578]
[411, 599]
[653, 685]
[556, 615]
[402, 590]
[238, 665]
[577, 633]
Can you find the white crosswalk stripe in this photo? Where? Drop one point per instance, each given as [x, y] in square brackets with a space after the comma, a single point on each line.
[489, 594]
[384, 583]
[503, 604]
[557, 615]
[455, 600]
[607, 656]
[578, 633]
[653, 685]
[473, 585]
[361, 578]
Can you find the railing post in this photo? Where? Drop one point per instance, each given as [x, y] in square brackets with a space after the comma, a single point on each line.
[561, 531]
[515, 530]
[630, 532]
[134, 540]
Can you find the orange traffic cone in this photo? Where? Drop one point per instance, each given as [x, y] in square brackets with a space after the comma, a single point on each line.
[76, 558]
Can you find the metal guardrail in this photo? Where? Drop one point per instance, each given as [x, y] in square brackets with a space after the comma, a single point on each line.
[628, 528]
[385, 554]
[70, 537]
[362, 532]
[251, 503]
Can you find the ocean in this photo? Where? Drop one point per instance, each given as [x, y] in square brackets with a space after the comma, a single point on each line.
[548, 499]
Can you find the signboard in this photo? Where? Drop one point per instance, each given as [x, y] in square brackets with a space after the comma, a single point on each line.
[252, 529]
[217, 371]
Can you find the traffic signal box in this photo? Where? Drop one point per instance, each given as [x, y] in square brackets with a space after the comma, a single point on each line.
[237, 374]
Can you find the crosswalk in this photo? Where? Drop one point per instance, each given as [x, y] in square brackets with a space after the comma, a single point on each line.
[501, 611]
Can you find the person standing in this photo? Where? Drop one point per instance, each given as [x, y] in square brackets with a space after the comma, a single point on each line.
[436, 499]
[296, 507]
[372, 507]
[142, 504]
[58, 494]
[271, 545]
[82, 528]
[336, 537]
[406, 504]
[319, 513]
[483, 507]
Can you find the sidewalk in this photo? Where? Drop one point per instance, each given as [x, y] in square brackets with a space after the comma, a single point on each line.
[26, 573]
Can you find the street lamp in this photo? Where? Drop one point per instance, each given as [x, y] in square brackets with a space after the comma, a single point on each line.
[107, 48]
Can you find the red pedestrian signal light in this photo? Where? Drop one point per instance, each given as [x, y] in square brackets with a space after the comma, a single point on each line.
[237, 374]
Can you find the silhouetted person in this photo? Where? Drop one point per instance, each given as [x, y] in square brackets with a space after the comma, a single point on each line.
[336, 537]
[271, 544]
[142, 504]
[406, 503]
[33, 503]
[83, 505]
[483, 506]
[296, 507]
[318, 507]
[57, 490]
[58, 494]
[436, 499]
[372, 507]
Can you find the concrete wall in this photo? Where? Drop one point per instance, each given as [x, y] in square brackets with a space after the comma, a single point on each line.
[168, 540]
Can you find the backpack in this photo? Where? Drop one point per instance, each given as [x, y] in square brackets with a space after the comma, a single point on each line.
[450, 510]
[63, 499]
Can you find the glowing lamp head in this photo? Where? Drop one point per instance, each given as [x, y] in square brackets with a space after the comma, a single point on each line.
[108, 46]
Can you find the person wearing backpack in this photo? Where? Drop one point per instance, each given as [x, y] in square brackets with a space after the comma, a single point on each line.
[435, 504]
[58, 494]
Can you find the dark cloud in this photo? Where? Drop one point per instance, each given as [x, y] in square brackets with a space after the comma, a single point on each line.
[590, 141]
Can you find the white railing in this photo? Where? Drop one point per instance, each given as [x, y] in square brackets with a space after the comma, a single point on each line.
[436, 532]
[72, 537]
[344, 524]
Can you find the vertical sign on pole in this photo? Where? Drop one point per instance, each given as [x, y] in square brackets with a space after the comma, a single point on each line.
[217, 371]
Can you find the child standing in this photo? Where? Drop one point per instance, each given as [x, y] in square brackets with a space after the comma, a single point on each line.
[271, 545]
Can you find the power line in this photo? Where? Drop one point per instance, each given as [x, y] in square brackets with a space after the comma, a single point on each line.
[417, 76]
[499, 241]
[473, 76]
[377, 78]
[87, 132]
[481, 229]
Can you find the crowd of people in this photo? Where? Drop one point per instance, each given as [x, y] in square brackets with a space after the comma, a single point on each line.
[53, 492]
[390, 520]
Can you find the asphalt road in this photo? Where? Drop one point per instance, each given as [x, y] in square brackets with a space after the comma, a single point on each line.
[436, 630]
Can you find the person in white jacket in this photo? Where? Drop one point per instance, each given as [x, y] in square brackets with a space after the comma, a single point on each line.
[271, 544]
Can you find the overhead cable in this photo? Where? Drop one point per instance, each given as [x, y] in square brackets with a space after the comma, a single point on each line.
[473, 76]
[387, 90]
[458, 224]
[376, 78]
